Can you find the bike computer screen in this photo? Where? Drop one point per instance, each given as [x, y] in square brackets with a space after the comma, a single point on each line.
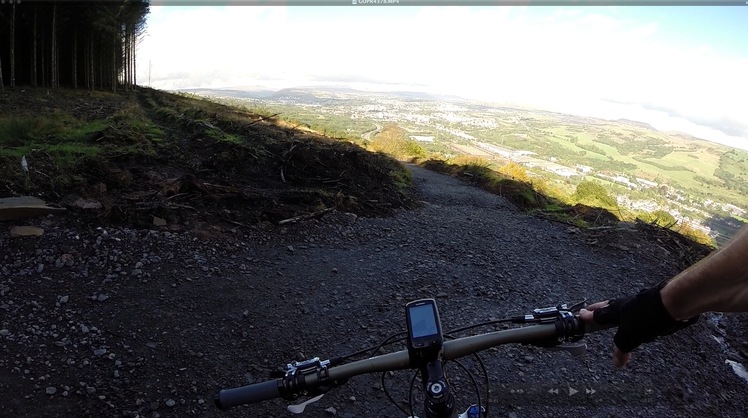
[424, 328]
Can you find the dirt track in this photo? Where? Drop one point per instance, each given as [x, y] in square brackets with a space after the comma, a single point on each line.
[116, 322]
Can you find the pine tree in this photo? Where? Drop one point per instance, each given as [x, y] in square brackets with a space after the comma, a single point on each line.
[75, 44]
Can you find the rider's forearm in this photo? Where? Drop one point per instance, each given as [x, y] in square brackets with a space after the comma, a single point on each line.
[716, 283]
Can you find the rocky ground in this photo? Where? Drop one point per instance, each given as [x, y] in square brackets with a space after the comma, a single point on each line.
[100, 320]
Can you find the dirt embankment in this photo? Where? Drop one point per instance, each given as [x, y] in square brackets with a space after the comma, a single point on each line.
[130, 157]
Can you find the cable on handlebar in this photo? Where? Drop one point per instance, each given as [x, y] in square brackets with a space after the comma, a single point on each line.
[410, 392]
[475, 384]
[482, 365]
[482, 324]
[373, 349]
[392, 401]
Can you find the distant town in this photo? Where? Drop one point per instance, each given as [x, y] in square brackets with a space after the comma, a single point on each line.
[644, 168]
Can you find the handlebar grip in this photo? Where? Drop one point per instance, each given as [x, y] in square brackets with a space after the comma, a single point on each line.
[590, 327]
[229, 398]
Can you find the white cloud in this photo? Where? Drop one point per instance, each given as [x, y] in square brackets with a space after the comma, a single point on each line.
[574, 58]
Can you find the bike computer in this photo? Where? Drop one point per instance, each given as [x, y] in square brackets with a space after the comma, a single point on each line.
[424, 330]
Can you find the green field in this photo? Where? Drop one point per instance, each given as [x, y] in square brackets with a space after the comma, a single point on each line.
[703, 170]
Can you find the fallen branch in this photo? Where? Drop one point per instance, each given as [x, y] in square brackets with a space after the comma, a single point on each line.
[236, 223]
[263, 118]
[340, 178]
[307, 216]
[177, 206]
[286, 159]
[175, 196]
[219, 187]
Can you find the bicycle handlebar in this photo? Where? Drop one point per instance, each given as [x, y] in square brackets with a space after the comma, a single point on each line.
[400, 360]
[257, 392]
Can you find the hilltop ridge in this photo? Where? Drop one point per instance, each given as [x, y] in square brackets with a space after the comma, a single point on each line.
[136, 156]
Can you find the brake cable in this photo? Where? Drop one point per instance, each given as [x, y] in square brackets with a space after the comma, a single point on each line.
[392, 401]
[482, 365]
[410, 393]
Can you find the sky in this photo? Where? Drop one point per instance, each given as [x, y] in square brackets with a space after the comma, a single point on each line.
[677, 68]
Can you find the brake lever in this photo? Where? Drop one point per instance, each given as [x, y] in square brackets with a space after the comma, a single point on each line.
[552, 311]
[579, 305]
[299, 408]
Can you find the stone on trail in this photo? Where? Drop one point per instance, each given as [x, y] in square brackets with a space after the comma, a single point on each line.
[26, 231]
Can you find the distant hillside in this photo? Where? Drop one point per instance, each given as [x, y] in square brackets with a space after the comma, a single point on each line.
[425, 96]
[251, 93]
[313, 94]
[297, 94]
[636, 123]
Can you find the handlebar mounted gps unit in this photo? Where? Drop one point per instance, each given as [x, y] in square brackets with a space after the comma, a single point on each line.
[424, 331]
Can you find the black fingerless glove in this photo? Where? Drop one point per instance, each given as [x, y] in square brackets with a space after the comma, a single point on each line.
[640, 318]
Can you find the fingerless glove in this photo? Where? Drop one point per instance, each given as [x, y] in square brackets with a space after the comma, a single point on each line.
[640, 318]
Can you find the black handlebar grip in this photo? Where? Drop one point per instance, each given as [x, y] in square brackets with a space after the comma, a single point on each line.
[229, 398]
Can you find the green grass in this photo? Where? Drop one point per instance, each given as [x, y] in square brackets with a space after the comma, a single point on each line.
[702, 163]
[67, 148]
[15, 130]
[85, 130]
[133, 116]
[67, 140]
[219, 135]
[70, 154]
[60, 135]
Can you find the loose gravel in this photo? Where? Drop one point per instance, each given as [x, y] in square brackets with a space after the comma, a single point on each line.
[109, 321]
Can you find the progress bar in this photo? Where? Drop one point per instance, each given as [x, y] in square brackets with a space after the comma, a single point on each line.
[385, 3]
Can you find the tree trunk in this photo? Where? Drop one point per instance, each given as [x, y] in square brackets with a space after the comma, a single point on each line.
[130, 56]
[44, 69]
[134, 61]
[2, 85]
[92, 80]
[101, 69]
[53, 62]
[126, 60]
[13, 47]
[114, 62]
[75, 58]
[34, 52]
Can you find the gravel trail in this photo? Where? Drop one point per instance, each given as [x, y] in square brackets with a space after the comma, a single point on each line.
[108, 321]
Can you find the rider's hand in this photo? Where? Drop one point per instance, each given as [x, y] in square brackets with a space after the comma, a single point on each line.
[619, 357]
[640, 319]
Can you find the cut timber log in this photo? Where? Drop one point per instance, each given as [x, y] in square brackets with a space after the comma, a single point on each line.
[24, 207]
